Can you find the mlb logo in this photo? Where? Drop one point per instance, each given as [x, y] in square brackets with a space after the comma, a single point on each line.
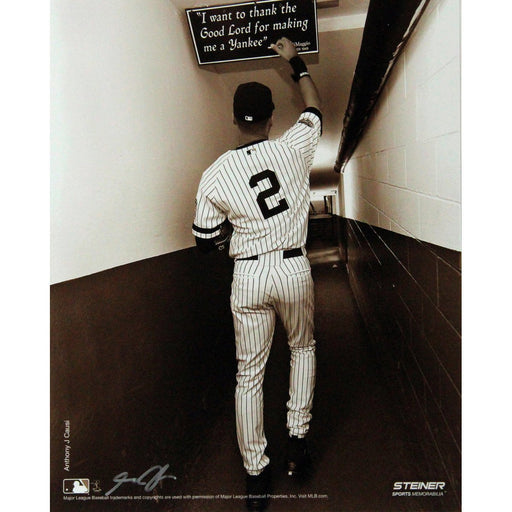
[76, 486]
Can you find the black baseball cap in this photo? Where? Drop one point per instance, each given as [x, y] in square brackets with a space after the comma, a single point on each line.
[252, 102]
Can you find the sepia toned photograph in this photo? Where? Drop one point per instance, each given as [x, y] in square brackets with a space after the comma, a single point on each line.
[255, 256]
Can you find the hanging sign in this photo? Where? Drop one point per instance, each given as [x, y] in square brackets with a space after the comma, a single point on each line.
[244, 31]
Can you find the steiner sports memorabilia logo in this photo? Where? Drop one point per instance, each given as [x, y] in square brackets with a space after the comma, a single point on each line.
[419, 488]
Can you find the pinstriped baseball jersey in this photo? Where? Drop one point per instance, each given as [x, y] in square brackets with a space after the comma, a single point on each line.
[263, 190]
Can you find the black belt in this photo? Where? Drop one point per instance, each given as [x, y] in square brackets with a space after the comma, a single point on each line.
[289, 253]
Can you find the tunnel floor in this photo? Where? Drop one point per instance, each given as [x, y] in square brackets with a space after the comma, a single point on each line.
[358, 442]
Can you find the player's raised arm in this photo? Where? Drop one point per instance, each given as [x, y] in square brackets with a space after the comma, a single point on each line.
[286, 49]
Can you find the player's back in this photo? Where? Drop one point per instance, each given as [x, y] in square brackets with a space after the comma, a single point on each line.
[264, 189]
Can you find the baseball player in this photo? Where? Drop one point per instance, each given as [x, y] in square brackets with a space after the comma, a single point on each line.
[262, 189]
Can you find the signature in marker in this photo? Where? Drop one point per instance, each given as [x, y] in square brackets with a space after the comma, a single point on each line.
[149, 479]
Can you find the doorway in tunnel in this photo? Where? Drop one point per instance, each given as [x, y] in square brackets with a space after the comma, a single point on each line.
[322, 220]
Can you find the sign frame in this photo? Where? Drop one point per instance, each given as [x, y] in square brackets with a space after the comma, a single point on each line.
[267, 53]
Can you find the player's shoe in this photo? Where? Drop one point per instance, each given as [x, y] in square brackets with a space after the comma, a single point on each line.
[258, 488]
[298, 460]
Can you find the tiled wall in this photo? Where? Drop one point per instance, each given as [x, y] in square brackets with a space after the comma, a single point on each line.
[409, 293]
[401, 196]
[405, 174]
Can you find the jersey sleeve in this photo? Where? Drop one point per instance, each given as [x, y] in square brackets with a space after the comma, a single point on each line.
[208, 218]
[305, 133]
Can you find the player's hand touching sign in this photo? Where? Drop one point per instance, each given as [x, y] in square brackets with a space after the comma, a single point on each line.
[285, 48]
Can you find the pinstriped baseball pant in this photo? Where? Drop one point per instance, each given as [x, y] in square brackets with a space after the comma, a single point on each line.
[260, 289]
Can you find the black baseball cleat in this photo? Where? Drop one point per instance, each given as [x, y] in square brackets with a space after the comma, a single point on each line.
[298, 460]
[258, 488]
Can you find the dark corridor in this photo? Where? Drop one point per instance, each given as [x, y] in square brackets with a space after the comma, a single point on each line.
[134, 407]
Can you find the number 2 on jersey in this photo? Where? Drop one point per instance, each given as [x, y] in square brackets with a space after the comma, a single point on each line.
[274, 189]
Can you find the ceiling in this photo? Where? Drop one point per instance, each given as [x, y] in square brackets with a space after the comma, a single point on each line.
[340, 30]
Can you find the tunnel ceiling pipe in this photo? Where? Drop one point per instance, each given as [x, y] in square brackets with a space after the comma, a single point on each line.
[389, 24]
